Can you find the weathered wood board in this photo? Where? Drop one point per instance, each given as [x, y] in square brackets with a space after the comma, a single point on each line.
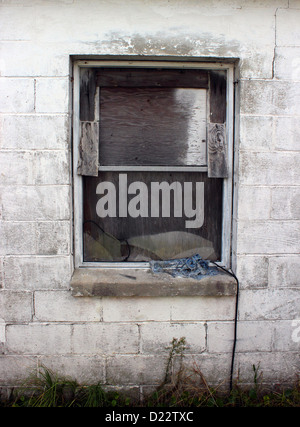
[151, 126]
[134, 77]
[88, 163]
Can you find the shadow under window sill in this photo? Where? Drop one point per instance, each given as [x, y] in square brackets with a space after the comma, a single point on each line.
[130, 282]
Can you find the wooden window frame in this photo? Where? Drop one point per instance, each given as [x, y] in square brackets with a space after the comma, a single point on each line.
[77, 179]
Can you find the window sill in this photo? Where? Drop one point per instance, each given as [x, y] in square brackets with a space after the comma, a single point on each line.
[117, 282]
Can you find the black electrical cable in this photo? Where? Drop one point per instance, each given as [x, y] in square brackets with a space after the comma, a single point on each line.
[218, 266]
[235, 319]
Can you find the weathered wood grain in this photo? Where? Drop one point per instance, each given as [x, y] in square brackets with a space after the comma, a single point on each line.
[130, 77]
[217, 96]
[152, 126]
[88, 163]
[217, 151]
[87, 94]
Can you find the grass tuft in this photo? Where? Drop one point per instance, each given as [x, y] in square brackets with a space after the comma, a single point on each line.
[187, 387]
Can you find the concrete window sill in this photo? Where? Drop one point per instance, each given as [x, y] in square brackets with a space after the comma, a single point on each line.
[117, 282]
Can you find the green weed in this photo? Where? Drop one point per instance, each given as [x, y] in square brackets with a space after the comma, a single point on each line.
[180, 387]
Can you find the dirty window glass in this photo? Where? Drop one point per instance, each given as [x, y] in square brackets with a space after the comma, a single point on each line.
[139, 216]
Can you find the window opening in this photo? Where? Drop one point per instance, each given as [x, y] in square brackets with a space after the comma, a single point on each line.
[153, 156]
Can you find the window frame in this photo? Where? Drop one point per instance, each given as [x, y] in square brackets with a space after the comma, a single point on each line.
[77, 179]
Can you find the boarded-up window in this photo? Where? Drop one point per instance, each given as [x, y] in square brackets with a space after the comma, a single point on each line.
[153, 159]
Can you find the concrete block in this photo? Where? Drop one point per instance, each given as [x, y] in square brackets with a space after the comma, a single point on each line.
[287, 133]
[34, 132]
[52, 167]
[17, 95]
[203, 308]
[268, 169]
[259, 55]
[35, 203]
[286, 98]
[12, 243]
[60, 306]
[256, 97]
[287, 63]
[268, 237]
[285, 203]
[272, 368]
[287, 336]
[53, 238]
[40, 238]
[1, 273]
[2, 335]
[252, 271]
[84, 369]
[254, 202]
[27, 59]
[287, 27]
[284, 272]
[214, 368]
[220, 337]
[136, 309]
[260, 97]
[250, 139]
[269, 304]
[255, 336]
[105, 338]
[52, 95]
[17, 168]
[252, 336]
[157, 337]
[14, 370]
[15, 306]
[135, 369]
[35, 167]
[34, 272]
[36, 339]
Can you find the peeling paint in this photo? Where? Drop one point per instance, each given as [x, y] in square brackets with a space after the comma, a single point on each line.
[168, 43]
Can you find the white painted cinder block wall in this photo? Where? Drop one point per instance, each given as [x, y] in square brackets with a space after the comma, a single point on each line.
[122, 341]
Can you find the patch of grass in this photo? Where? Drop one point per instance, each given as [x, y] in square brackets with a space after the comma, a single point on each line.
[49, 390]
[184, 388]
[193, 391]
[189, 388]
[173, 395]
[45, 390]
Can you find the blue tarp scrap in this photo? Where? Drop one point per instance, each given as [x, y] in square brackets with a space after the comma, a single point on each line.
[194, 267]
